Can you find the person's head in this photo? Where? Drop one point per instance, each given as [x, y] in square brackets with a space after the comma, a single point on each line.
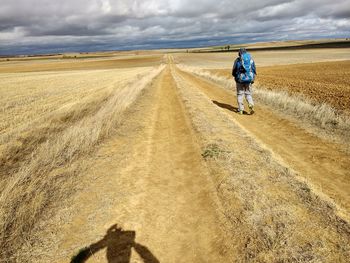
[241, 51]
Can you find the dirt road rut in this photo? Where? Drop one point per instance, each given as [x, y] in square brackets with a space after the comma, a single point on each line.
[322, 163]
[151, 181]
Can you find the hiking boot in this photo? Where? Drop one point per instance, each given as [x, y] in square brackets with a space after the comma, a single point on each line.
[251, 107]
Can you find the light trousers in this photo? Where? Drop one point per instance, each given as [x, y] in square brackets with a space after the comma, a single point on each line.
[244, 90]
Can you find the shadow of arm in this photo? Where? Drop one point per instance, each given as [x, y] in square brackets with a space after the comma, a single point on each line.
[85, 253]
[145, 254]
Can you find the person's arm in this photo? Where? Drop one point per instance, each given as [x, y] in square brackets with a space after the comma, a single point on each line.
[254, 68]
[234, 69]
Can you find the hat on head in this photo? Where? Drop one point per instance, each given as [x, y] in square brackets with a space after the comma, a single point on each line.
[241, 51]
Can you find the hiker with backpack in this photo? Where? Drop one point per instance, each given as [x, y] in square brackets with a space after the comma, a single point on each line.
[244, 72]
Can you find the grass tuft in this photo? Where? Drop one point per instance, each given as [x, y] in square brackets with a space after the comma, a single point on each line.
[212, 151]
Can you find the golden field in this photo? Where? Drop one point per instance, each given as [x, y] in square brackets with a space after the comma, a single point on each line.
[151, 142]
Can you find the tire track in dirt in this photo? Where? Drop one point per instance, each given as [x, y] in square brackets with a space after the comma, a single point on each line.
[322, 163]
[177, 201]
[150, 180]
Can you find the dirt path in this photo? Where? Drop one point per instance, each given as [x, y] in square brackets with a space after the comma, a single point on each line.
[322, 163]
[148, 196]
[176, 209]
[150, 180]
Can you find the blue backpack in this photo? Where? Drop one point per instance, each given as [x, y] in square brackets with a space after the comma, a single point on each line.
[245, 73]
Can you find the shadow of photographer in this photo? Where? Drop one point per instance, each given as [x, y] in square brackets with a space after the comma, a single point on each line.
[118, 244]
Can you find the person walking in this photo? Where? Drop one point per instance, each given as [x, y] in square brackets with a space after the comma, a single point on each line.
[244, 72]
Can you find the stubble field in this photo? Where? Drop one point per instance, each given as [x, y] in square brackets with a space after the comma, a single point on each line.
[151, 142]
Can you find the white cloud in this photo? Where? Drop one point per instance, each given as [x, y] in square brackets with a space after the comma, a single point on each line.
[117, 23]
[106, 6]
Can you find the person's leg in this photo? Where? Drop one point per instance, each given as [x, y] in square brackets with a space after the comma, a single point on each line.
[249, 97]
[248, 94]
[240, 95]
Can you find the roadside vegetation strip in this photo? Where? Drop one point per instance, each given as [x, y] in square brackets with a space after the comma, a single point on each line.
[320, 115]
[18, 144]
[41, 180]
[274, 216]
[56, 107]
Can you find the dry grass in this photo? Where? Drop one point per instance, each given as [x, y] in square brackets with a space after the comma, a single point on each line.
[38, 105]
[273, 215]
[320, 115]
[27, 98]
[35, 176]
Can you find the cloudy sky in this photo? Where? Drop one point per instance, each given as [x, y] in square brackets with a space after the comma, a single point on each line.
[43, 26]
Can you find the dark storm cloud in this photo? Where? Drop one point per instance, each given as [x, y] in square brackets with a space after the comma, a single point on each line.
[47, 25]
